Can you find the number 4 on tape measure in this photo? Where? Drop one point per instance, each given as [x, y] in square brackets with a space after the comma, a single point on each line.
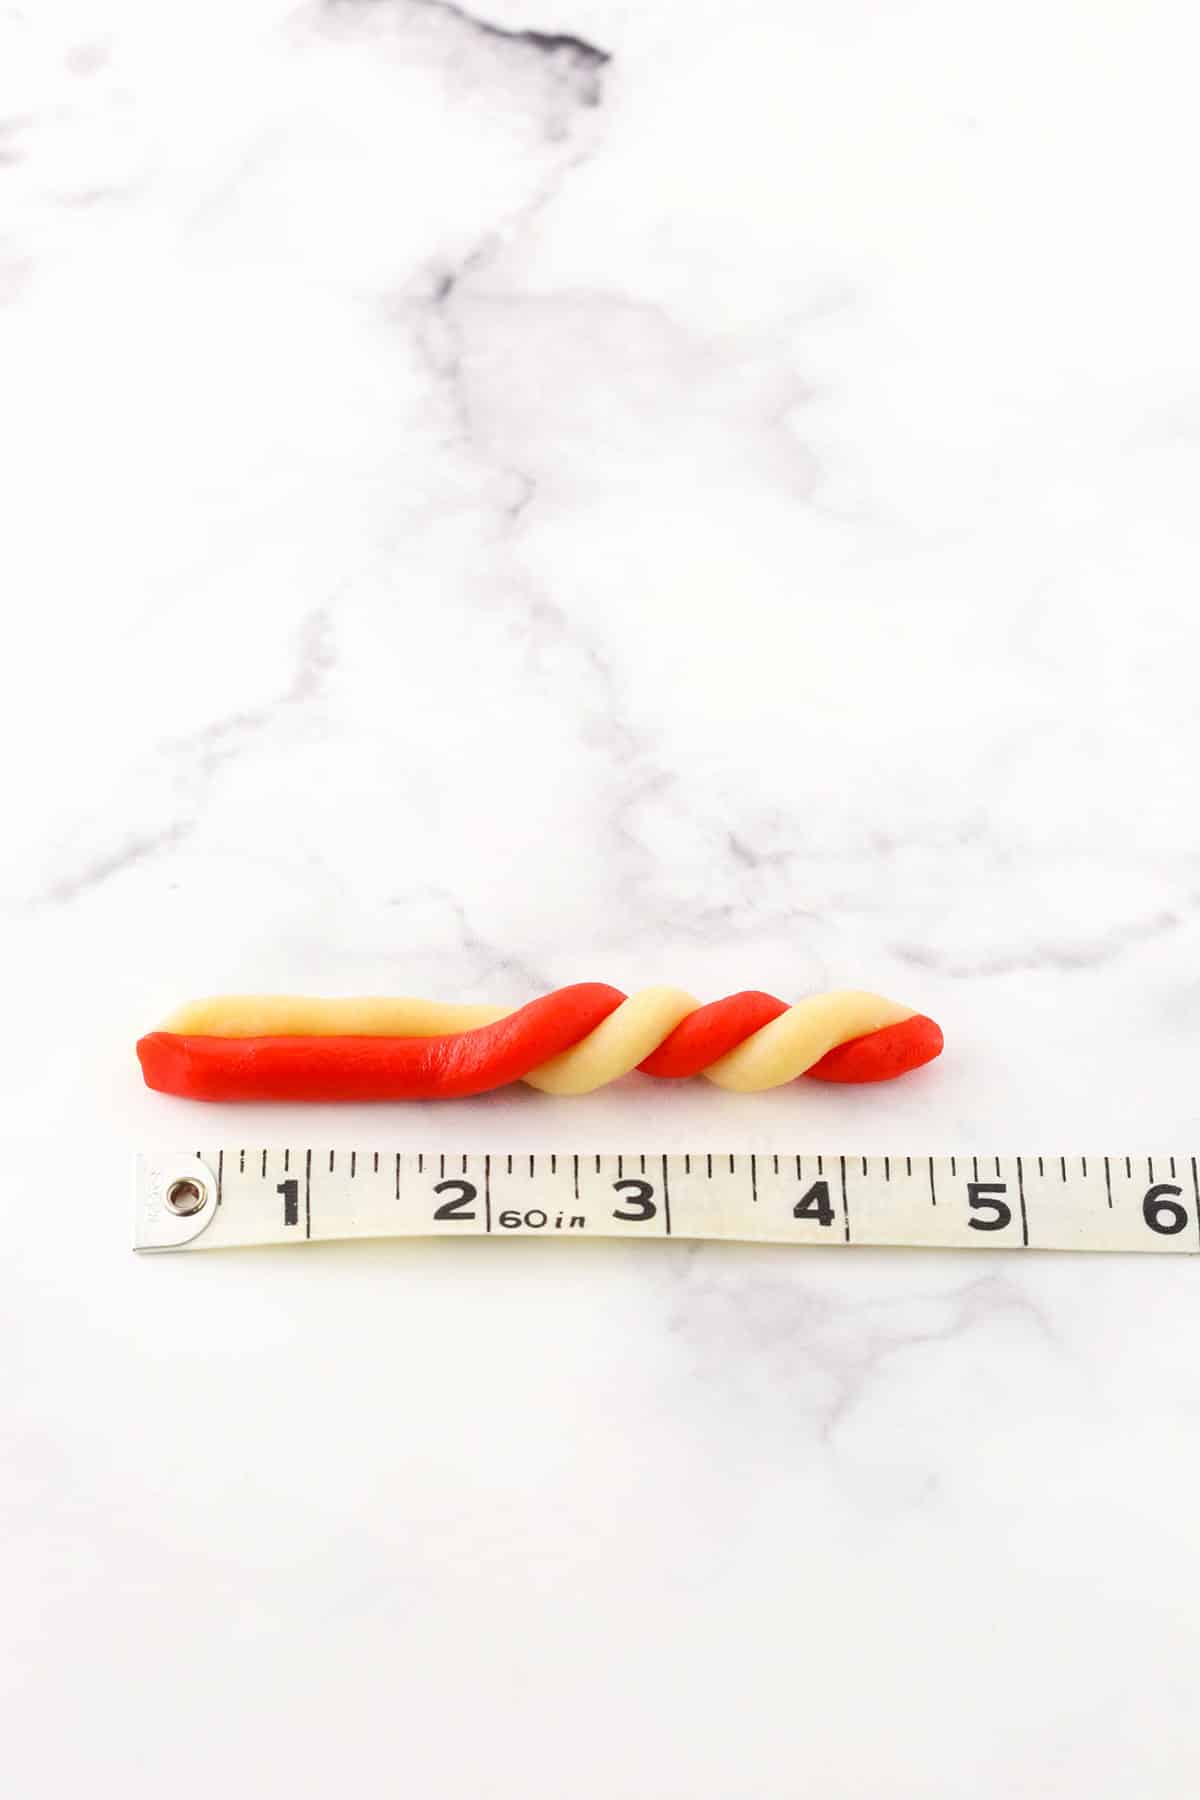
[209, 1199]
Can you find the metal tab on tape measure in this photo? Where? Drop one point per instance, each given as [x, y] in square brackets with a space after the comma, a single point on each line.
[214, 1199]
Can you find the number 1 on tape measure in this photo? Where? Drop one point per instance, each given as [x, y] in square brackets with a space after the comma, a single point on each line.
[213, 1199]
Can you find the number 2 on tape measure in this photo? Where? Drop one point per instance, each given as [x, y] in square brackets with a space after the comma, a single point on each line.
[455, 1208]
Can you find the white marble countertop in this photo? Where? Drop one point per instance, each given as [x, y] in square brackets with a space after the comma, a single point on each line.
[635, 492]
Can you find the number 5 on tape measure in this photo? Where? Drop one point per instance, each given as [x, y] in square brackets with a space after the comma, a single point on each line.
[211, 1199]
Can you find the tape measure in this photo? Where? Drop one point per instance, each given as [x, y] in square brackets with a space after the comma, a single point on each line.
[214, 1199]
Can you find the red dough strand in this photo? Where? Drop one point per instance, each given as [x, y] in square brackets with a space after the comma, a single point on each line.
[711, 1032]
[881, 1055]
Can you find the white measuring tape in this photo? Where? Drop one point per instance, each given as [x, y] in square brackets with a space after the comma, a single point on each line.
[214, 1199]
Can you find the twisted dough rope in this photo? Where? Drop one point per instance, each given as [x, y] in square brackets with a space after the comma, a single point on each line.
[273, 1047]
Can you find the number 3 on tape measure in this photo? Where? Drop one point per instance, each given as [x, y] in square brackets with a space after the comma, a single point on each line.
[639, 1201]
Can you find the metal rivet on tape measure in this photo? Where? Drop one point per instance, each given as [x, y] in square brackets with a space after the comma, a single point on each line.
[186, 1196]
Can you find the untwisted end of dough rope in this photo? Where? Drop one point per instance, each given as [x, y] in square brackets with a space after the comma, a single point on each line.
[274, 1047]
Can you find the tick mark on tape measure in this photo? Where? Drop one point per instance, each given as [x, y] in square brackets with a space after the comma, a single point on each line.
[666, 1199]
[845, 1201]
[575, 1177]
[241, 1162]
[710, 1168]
[487, 1193]
[398, 1173]
[264, 1167]
[753, 1179]
[1108, 1183]
[887, 1168]
[1063, 1161]
[353, 1163]
[932, 1189]
[1021, 1193]
[286, 1155]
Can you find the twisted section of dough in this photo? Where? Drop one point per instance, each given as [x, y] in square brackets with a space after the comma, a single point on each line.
[273, 1047]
